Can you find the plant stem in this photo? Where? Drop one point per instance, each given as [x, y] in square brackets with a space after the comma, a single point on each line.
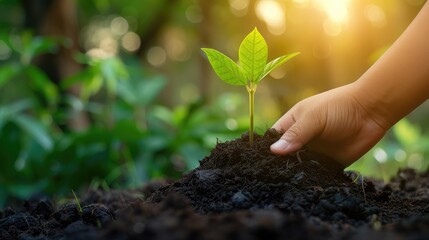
[251, 89]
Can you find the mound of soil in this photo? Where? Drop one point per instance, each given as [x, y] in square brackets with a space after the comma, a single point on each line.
[240, 191]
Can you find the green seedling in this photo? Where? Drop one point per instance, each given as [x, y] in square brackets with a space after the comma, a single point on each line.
[79, 207]
[252, 67]
[359, 179]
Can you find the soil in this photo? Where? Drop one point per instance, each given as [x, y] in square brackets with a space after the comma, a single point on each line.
[239, 191]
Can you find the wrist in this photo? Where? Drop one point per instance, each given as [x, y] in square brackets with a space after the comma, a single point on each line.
[375, 103]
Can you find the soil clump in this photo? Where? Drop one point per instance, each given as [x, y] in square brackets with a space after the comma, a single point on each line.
[239, 191]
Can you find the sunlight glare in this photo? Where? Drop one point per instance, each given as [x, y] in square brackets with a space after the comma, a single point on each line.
[272, 14]
[336, 10]
[300, 1]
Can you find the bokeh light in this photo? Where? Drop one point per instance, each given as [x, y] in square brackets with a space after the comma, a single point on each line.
[239, 7]
[105, 36]
[119, 26]
[271, 12]
[400, 155]
[231, 124]
[375, 15]
[131, 41]
[109, 45]
[156, 56]
[194, 14]
[175, 42]
[380, 155]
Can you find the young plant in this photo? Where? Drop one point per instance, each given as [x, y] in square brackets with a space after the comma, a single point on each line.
[253, 67]
[79, 207]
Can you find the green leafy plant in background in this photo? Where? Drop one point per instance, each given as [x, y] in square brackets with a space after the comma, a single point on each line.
[130, 138]
[404, 146]
[253, 54]
[25, 47]
[27, 99]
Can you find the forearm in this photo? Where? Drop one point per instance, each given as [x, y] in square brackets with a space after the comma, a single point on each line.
[399, 81]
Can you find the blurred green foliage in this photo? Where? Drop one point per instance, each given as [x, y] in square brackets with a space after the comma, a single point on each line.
[131, 139]
[406, 145]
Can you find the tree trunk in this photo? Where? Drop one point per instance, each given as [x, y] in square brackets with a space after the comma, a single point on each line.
[57, 18]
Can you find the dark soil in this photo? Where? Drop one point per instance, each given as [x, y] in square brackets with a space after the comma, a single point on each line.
[240, 191]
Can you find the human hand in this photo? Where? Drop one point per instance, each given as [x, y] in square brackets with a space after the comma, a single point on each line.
[334, 123]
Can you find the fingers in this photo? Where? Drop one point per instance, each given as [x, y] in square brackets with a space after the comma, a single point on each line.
[296, 134]
[285, 122]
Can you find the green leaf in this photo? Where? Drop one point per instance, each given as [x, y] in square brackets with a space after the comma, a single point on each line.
[225, 68]
[11, 109]
[150, 89]
[33, 46]
[11, 137]
[113, 70]
[36, 130]
[141, 91]
[276, 63]
[41, 45]
[89, 79]
[77, 78]
[163, 114]
[127, 131]
[253, 54]
[7, 72]
[41, 82]
[92, 86]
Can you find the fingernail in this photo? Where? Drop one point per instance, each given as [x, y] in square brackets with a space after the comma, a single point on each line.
[280, 146]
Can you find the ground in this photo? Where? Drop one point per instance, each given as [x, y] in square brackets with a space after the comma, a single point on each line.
[239, 191]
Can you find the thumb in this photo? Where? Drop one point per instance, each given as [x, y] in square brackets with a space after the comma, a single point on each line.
[296, 136]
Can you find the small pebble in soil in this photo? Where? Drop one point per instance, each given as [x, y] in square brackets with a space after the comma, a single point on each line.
[240, 200]
[208, 175]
